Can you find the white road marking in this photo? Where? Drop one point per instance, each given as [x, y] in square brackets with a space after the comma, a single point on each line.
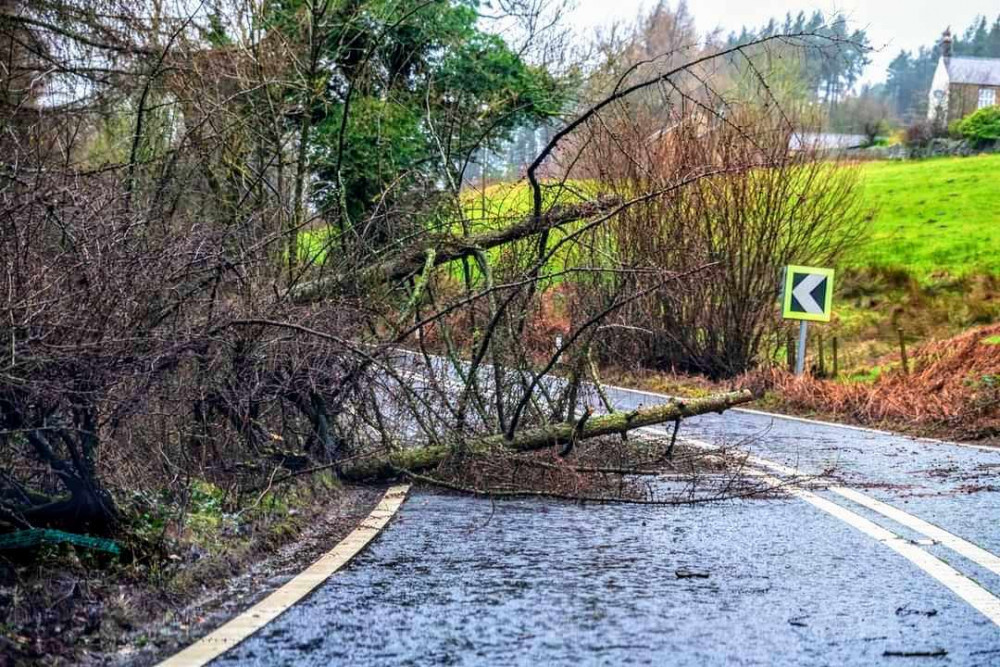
[773, 415]
[957, 544]
[816, 422]
[964, 548]
[863, 429]
[236, 630]
[972, 593]
[965, 588]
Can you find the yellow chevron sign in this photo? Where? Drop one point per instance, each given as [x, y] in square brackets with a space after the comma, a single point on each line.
[807, 294]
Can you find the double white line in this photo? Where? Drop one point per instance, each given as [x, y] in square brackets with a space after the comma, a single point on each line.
[968, 590]
[965, 588]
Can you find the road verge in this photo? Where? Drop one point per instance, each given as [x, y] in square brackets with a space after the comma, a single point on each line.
[236, 630]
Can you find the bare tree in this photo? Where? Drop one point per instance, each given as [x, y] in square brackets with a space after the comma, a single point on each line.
[161, 319]
[761, 207]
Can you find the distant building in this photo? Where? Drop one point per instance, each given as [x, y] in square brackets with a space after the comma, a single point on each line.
[962, 85]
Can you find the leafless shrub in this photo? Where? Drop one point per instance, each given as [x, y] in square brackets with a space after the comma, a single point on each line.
[758, 208]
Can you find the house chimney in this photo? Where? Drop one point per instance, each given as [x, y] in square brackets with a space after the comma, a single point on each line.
[946, 43]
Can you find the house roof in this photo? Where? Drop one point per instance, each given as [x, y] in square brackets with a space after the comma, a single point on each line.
[825, 141]
[978, 71]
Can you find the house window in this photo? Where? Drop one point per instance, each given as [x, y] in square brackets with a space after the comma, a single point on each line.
[987, 97]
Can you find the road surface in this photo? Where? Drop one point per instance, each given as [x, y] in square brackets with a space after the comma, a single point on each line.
[894, 564]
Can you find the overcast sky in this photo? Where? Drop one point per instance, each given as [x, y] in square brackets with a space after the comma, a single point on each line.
[892, 25]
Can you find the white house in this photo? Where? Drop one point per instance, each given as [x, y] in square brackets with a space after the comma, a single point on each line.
[962, 85]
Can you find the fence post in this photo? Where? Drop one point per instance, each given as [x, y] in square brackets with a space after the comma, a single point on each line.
[790, 351]
[822, 357]
[836, 361]
[902, 352]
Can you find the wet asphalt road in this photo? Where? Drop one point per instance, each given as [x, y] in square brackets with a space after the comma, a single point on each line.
[457, 580]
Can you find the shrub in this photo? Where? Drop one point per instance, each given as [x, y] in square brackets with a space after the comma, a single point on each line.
[920, 133]
[745, 224]
[953, 128]
[982, 127]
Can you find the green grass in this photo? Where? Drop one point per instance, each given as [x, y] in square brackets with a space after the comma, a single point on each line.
[502, 204]
[865, 376]
[497, 207]
[935, 217]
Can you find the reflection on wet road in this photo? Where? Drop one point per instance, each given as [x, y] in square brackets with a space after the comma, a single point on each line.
[462, 581]
[456, 580]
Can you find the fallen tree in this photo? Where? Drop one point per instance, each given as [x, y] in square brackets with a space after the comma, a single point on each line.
[159, 330]
[419, 459]
[449, 248]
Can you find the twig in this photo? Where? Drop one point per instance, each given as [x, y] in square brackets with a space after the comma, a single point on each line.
[526, 493]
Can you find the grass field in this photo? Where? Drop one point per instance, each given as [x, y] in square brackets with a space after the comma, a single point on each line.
[931, 263]
[929, 266]
[935, 217]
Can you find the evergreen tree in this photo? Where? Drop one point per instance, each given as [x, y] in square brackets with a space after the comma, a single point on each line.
[908, 78]
[834, 59]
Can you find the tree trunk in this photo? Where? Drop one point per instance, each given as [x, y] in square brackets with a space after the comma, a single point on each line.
[89, 509]
[449, 248]
[416, 459]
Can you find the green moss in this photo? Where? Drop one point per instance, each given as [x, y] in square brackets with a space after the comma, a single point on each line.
[868, 376]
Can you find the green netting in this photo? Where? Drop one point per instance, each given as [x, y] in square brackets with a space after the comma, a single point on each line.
[25, 539]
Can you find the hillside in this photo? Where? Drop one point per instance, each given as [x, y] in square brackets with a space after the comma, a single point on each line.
[935, 217]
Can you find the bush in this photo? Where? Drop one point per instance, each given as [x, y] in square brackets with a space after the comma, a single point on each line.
[735, 230]
[982, 127]
[920, 133]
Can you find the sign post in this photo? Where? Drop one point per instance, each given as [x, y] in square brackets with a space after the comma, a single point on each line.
[800, 359]
[807, 296]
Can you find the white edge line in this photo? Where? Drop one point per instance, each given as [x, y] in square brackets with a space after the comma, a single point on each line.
[963, 547]
[818, 422]
[866, 429]
[775, 415]
[250, 621]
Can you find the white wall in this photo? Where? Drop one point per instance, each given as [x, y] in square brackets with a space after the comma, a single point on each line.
[937, 98]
